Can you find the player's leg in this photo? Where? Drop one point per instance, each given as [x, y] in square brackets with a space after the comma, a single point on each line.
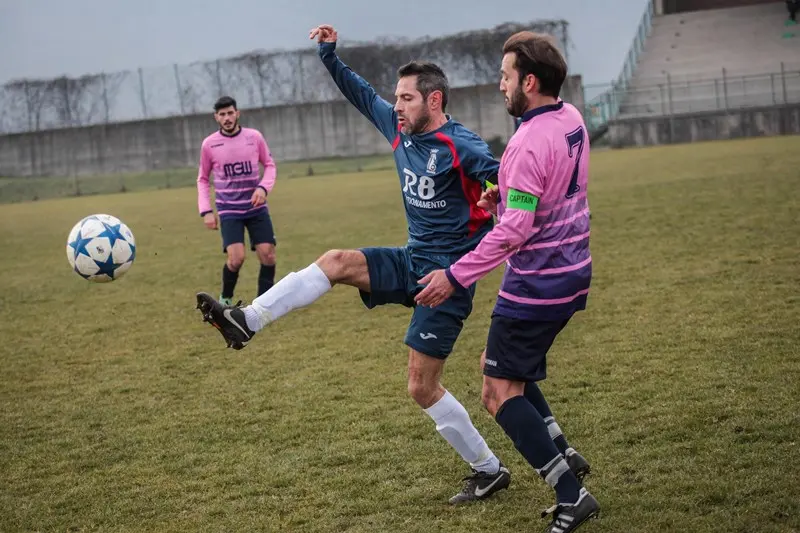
[579, 466]
[266, 274]
[577, 463]
[454, 424]
[515, 356]
[300, 289]
[375, 272]
[262, 241]
[372, 270]
[296, 290]
[431, 337]
[232, 231]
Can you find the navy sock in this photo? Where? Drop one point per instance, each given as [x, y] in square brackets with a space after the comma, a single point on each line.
[266, 278]
[526, 428]
[534, 395]
[229, 279]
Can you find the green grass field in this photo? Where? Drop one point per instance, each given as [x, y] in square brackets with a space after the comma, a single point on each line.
[120, 411]
[27, 189]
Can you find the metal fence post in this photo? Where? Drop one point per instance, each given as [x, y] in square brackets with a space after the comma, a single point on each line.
[725, 87]
[105, 98]
[689, 94]
[772, 87]
[29, 106]
[669, 92]
[783, 81]
[671, 117]
[141, 93]
[744, 90]
[220, 88]
[178, 87]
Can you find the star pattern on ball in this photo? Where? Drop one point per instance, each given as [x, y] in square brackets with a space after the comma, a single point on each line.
[107, 267]
[79, 244]
[112, 233]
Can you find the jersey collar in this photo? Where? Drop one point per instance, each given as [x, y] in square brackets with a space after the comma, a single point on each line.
[541, 110]
[231, 136]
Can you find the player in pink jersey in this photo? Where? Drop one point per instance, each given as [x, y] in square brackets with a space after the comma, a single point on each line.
[233, 154]
[543, 237]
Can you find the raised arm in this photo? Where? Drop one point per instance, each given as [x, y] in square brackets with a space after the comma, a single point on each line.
[357, 90]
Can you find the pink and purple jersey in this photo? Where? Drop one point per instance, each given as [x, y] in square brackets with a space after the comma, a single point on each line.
[234, 162]
[543, 229]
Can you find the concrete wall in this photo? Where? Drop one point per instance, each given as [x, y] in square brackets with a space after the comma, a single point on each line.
[293, 132]
[753, 122]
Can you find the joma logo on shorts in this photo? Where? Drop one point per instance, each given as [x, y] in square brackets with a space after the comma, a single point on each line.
[491, 362]
[242, 168]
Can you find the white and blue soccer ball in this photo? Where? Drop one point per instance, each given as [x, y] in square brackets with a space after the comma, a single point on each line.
[101, 248]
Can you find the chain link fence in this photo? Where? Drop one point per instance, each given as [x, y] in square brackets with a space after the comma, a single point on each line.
[257, 79]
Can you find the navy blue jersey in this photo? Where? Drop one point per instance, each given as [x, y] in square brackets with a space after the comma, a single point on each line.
[442, 173]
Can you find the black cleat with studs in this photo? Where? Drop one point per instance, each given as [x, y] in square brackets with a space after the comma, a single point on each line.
[228, 319]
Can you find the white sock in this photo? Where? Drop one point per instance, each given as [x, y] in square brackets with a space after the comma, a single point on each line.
[453, 423]
[296, 290]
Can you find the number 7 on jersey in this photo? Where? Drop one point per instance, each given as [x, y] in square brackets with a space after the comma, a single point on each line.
[575, 140]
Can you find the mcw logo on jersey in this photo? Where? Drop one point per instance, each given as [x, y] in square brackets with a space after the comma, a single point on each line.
[241, 168]
[420, 190]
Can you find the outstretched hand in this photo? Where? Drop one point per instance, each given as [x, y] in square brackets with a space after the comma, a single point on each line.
[489, 199]
[324, 33]
[438, 289]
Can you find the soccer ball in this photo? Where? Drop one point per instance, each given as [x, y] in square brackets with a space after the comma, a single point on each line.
[101, 248]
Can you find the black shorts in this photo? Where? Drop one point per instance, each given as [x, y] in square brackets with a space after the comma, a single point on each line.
[259, 227]
[517, 349]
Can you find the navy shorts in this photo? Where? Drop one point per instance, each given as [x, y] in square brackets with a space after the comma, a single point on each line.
[517, 349]
[259, 227]
[393, 275]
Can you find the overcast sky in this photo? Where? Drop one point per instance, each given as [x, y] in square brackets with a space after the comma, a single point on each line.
[47, 38]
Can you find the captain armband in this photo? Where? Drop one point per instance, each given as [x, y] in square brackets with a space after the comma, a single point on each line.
[521, 200]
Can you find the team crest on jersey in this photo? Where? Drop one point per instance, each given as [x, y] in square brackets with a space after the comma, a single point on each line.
[432, 161]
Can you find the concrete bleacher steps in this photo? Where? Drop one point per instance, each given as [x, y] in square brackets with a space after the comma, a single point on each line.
[716, 59]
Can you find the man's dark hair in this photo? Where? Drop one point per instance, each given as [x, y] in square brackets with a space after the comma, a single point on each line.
[223, 102]
[537, 54]
[429, 78]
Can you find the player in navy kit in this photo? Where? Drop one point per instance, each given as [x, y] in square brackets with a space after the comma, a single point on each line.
[443, 169]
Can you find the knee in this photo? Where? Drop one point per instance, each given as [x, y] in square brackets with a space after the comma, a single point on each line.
[423, 392]
[235, 261]
[493, 395]
[498, 391]
[267, 255]
[488, 399]
[334, 264]
[489, 391]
